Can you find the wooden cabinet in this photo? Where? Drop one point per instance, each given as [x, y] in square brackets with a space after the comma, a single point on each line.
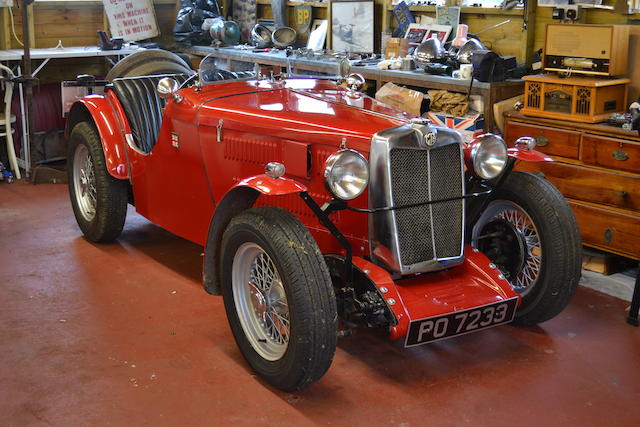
[611, 153]
[555, 142]
[597, 168]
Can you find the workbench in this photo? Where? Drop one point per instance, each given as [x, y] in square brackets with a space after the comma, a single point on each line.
[47, 54]
[490, 92]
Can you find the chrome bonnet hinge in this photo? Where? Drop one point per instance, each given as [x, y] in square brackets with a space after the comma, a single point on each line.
[219, 131]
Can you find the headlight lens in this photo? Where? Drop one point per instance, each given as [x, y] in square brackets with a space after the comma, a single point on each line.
[489, 156]
[346, 174]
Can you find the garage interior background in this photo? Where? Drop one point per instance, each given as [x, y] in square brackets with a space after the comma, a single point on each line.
[604, 349]
[75, 23]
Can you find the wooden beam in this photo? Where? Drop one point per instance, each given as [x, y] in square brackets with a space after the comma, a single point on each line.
[5, 29]
[529, 30]
[105, 23]
[32, 26]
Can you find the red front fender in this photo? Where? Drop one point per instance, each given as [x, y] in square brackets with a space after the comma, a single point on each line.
[239, 197]
[528, 155]
[100, 110]
[271, 186]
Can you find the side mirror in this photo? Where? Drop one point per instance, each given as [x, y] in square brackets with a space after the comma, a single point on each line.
[344, 68]
[167, 88]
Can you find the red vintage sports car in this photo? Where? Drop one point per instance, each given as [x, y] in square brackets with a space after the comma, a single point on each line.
[321, 209]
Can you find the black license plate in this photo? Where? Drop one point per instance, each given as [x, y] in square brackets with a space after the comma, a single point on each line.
[462, 322]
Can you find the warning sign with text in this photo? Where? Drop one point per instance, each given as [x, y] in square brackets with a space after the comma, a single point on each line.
[131, 20]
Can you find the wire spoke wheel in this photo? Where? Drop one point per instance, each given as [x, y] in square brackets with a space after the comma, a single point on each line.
[261, 301]
[509, 237]
[529, 231]
[99, 200]
[278, 297]
[84, 182]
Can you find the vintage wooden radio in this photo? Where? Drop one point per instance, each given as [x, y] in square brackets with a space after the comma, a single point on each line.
[600, 50]
[581, 99]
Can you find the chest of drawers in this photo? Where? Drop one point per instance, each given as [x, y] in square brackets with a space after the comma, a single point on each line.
[597, 168]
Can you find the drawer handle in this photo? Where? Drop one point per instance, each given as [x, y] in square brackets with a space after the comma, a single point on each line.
[608, 236]
[622, 194]
[542, 141]
[620, 155]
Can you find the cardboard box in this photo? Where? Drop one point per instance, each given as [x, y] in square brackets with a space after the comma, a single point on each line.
[400, 98]
[396, 48]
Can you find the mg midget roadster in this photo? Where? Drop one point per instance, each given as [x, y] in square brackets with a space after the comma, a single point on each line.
[321, 209]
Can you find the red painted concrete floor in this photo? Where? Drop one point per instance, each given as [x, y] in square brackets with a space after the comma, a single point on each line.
[123, 334]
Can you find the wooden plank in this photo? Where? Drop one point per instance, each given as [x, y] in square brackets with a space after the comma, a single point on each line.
[53, 16]
[528, 27]
[318, 4]
[505, 40]
[602, 262]
[5, 29]
[71, 30]
[634, 58]
[45, 42]
[32, 28]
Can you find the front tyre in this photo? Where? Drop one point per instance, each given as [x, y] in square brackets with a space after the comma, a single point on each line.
[529, 231]
[278, 297]
[99, 200]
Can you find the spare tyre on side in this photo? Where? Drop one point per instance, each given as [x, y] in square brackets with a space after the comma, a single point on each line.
[149, 62]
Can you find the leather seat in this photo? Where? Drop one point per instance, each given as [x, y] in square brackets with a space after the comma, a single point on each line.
[143, 107]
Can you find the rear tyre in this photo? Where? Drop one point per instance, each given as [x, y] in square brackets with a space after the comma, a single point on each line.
[149, 62]
[529, 231]
[278, 297]
[99, 200]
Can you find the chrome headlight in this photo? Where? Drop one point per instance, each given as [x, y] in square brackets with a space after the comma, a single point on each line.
[346, 174]
[488, 156]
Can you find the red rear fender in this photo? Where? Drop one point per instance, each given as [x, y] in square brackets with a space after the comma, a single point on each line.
[101, 111]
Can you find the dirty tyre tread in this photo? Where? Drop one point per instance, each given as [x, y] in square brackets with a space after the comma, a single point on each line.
[561, 246]
[111, 193]
[309, 293]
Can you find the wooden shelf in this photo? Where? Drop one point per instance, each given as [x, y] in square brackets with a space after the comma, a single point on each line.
[468, 10]
[321, 4]
[72, 3]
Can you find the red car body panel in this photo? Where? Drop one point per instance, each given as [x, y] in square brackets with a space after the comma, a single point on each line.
[472, 284]
[220, 137]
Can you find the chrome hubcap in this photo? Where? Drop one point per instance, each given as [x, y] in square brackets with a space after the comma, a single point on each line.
[260, 301]
[84, 183]
[530, 261]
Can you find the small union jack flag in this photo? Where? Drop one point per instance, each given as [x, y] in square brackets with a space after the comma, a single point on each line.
[469, 126]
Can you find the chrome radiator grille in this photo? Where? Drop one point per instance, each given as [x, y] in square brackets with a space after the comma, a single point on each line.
[431, 231]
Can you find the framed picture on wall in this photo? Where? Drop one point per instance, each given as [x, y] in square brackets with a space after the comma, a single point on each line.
[441, 32]
[352, 25]
[416, 33]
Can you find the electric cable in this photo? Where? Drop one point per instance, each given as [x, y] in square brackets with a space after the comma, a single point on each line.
[13, 27]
